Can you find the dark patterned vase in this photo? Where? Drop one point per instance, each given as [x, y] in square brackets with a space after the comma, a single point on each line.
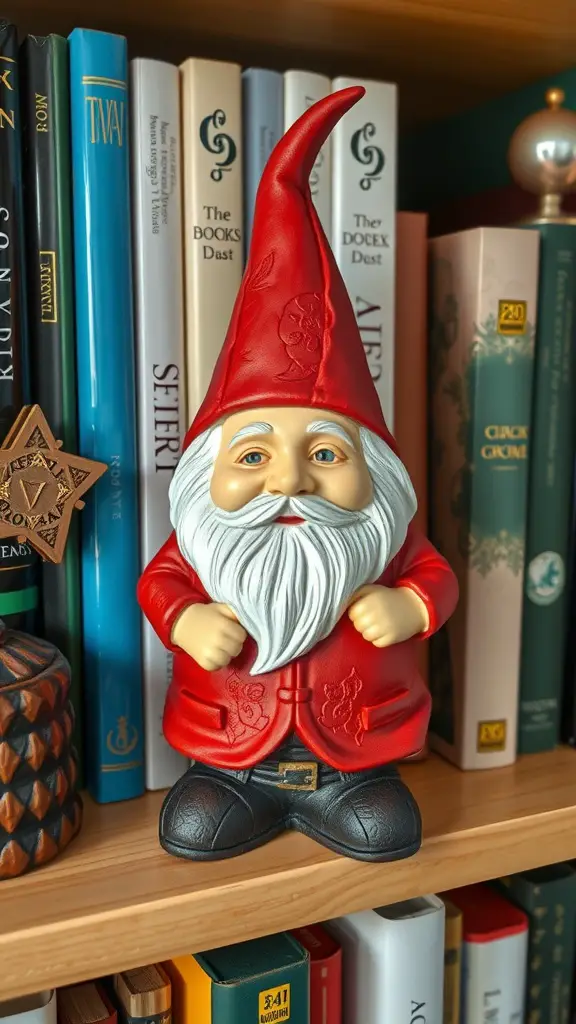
[40, 810]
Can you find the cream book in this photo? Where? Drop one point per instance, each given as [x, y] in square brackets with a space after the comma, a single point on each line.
[363, 238]
[212, 192]
[301, 90]
[483, 291]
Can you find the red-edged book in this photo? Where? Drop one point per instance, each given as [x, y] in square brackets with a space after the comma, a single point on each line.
[325, 973]
[494, 954]
[86, 1003]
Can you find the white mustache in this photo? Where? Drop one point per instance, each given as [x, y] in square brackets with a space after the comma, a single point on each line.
[265, 508]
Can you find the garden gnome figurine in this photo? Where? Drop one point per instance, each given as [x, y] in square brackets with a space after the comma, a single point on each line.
[294, 588]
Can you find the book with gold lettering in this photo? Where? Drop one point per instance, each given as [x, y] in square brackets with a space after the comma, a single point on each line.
[213, 212]
[49, 251]
[484, 298]
[110, 556]
[161, 378]
[18, 563]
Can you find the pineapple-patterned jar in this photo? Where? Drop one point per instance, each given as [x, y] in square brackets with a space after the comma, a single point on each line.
[40, 809]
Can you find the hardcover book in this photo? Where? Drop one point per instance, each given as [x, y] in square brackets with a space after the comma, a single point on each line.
[393, 962]
[107, 417]
[547, 896]
[484, 297]
[86, 1003]
[19, 564]
[452, 961]
[212, 191]
[325, 973]
[262, 126]
[494, 955]
[39, 1008]
[48, 194]
[551, 471]
[301, 90]
[364, 223]
[144, 995]
[161, 377]
[261, 981]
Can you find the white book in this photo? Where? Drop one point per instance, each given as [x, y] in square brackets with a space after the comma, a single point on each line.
[301, 90]
[364, 144]
[161, 379]
[494, 979]
[39, 1008]
[213, 212]
[393, 963]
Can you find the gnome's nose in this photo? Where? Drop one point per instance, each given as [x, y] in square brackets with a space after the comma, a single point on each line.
[290, 476]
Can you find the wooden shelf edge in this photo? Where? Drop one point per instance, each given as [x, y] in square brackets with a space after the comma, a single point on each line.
[299, 883]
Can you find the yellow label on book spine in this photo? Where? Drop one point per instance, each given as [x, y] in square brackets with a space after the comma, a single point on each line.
[274, 1005]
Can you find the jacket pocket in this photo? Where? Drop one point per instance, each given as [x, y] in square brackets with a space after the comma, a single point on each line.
[210, 716]
[384, 713]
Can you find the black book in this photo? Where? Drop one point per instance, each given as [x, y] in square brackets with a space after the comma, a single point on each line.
[18, 562]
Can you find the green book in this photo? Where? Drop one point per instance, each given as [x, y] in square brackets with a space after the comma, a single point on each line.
[548, 896]
[551, 463]
[467, 153]
[47, 178]
[483, 305]
[261, 981]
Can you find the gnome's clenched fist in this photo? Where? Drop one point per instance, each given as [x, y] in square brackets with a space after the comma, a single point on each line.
[388, 615]
[209, 633]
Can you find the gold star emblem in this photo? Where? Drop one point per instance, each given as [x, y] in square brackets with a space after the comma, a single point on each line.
[40, 485]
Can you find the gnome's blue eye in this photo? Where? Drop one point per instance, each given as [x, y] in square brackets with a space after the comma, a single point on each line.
[252, 459]
[324, 455]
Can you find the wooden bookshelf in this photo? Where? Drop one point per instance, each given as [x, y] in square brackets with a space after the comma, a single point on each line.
[445, 55]
[116, 900]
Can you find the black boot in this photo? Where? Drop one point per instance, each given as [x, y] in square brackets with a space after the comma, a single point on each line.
[214, 813]
[210, 814]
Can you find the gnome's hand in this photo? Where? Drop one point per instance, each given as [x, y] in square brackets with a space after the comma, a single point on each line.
[387, 615]
[209, 633]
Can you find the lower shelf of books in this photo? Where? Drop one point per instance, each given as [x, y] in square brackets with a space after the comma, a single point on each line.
[115, 900]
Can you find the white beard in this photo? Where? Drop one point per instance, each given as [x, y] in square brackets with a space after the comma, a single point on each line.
[288, 585]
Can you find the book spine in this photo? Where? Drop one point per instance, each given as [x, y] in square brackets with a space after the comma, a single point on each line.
[106, 404]
[301, 90]
[213, 213]
[544, 617]
[364, 223]
[452, 964]
[159, 304]
[551, 909]
[262, 125]
[46, 114]
[19, 564]
[494, 979]
[481, 372]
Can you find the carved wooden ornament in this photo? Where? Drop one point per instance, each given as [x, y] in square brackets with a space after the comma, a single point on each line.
[40, 485]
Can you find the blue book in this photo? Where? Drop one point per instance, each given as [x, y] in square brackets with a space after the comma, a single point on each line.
[106, 413]
[263, 125]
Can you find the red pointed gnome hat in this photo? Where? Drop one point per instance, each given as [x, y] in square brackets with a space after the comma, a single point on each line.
[293, 337]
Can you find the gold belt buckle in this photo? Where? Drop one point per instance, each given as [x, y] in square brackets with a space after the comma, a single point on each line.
[308, 769]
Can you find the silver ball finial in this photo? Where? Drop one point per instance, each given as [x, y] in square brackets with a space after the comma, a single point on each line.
[542, 154]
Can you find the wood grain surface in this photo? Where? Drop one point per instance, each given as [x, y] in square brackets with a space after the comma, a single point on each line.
[115, 900]
[445, 54]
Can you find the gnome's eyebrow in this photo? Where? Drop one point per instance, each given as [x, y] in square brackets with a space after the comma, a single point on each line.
[249, 430]
[329, 427]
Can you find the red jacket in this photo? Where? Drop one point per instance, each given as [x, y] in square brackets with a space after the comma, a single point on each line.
[352, 704]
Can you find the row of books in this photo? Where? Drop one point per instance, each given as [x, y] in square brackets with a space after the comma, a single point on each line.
[130, 186]
[469, 186]
[500, 951]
